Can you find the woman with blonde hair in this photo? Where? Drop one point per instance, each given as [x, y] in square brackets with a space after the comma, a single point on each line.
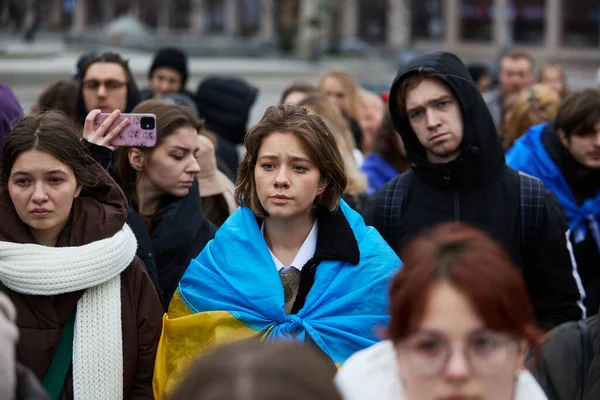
[356, 191]
[533, 105]
[343, 89]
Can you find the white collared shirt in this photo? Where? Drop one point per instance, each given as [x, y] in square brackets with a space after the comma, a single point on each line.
[306, 252]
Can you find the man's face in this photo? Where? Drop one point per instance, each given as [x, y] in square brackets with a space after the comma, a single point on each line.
[434, 115]
[105, 87]
[165, 81]
[585, 149]
[515, 74]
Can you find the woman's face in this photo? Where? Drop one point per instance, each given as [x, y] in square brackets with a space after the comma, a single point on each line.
[454, 356]
[336, 92]
[287, 180]
[171, 167]
[42, 189]
[553, 78]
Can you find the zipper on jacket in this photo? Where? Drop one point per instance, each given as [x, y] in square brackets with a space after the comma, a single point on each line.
[456, 206]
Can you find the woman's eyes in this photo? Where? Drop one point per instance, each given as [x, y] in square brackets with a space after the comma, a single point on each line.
[22, 182]
[297, 168]
[177, 157]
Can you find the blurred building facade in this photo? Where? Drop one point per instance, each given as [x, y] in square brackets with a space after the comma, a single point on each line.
[550, 29]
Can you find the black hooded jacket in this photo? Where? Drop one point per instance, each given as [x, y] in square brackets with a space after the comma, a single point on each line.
[479, 189]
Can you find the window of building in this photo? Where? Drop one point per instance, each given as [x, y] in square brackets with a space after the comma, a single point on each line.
[427, 19]
[581, 23]
[528, 21]
[475, 18]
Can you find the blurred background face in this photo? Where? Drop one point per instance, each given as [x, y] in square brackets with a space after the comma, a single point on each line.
[166, 81]
[105, 87]
[484, 83]
[552, 77]
[294, 98]
[453, 355]
[515, 74]
[336, 92]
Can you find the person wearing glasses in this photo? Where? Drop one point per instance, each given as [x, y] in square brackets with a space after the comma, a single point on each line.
[461, 325]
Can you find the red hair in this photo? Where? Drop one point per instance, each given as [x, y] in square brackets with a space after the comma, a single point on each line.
[473, 264]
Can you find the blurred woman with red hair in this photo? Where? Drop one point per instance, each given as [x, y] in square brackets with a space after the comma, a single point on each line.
[461, 324]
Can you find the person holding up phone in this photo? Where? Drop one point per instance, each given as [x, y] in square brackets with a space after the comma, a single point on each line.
[89, 318]
[161, 186]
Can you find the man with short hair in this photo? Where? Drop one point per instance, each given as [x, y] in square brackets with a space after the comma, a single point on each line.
[516, 72]
[565, 155]
[458, 173]
[107, 84]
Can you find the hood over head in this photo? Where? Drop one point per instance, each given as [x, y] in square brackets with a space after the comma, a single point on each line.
[482, 156]
[98, 213]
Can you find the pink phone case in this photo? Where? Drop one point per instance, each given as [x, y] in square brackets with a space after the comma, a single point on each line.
[133, 134]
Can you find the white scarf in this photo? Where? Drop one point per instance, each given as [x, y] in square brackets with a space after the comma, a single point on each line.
[96, 267]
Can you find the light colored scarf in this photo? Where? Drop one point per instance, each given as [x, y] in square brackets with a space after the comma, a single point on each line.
[96, 267]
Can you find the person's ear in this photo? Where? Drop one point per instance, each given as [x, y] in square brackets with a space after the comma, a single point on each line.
[136, 159]
[323, 182]
[562, 136]
[77, 191]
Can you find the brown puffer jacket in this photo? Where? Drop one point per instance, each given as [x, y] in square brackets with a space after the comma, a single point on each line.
[98, 213]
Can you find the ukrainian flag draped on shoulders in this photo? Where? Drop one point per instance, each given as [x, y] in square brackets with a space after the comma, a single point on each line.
[529, 155]
[233, 291]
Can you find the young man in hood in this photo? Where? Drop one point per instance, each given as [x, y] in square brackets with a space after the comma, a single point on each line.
[565, 155]
[459, 173]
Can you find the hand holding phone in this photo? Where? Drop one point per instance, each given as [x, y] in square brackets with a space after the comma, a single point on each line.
[119, 129]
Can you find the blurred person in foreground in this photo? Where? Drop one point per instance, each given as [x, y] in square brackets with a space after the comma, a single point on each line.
[260, 371]
[461, 324]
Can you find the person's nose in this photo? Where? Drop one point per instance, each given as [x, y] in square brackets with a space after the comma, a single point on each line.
[101, 91]
[282, 179]
[193, 167]
[40, 194]
[433, 120]
[457, 367]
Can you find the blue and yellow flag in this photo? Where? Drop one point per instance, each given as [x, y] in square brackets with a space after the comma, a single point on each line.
[232, 291]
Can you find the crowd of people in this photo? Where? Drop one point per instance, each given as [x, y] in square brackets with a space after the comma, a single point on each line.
[436, 241]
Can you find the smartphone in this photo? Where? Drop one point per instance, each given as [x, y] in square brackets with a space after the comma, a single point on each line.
[141, 131]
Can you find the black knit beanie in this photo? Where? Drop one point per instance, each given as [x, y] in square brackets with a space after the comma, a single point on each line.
[171, 57]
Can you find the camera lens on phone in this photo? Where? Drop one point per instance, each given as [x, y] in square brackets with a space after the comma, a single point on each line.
[147, 123]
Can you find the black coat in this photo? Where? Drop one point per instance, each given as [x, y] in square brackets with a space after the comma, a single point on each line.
[559, 371]
[179, 233]
[479, 189]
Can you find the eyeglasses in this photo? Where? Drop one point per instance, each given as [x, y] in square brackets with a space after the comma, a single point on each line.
[110, 84]
[486, 353]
